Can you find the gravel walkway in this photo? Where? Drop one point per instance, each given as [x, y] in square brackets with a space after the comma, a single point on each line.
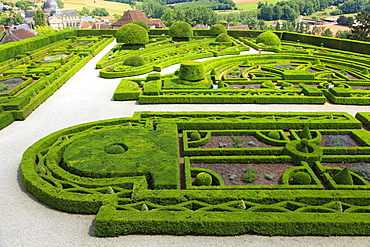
[84, 98]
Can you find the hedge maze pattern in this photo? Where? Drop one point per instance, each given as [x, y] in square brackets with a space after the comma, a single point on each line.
[295, 74]
[30, 78]
[138, 173]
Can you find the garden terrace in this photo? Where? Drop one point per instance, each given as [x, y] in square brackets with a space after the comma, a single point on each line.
[299, 160]
[289, 78]
[28, 80]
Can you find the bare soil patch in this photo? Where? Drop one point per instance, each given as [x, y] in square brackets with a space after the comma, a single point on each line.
[228, 140]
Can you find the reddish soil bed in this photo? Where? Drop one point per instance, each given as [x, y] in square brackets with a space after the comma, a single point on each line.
[344, 165]
[244, 86]
[238, 169]
[361, 88]
[228, 140]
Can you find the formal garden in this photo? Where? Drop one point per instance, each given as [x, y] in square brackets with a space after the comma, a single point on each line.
[201, 173]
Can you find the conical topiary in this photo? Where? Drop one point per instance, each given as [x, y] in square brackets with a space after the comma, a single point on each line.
[241, 205]
[305, 133]
[365, 72]
[213, 72]
[317, 62]
[144, 207]
[41, 170]
[343, 177]
[338, 206]
[247, 63]
[110, 190]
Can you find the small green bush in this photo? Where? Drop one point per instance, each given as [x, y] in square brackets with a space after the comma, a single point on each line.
[134, 61]
[203, 179]
[223, 37]
[132, 34]
[195, 136]
[250, 175]
[141, 24]
[241, 205]
[274, 135]
[3, 87]
[217, 29]
[343, 177]
[268, 38]
[180, 29]
[115, 149]
[301, 178]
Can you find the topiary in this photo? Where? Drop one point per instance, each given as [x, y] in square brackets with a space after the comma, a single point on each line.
[141, 24]
[132, 34]
[223, 37]
[268, 38]
[110, 190]
[241, 205]
[365, 71]
[217, 29]
[274, 135]
[317, 62]
[203, 179]
[338, 206]
[192, 71]
[144, 207]
[343, 177]
[305, 133]
[303, 146]
[180, 29]
[115, 149]
[134, 61]
[301, 178]
[195, 136]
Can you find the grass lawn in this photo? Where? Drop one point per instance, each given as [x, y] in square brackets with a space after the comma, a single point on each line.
[251, 4]
[111, 7]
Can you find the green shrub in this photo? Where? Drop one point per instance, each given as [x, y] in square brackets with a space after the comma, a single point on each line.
[195, 136]
[301, 178]
[141, 24]
[3, 87]
[343, 177]
[305, 133]
[268, 38]
[274, 135]
[192, 71]
[134, 61]
[223, 37]
[217, 29]
[132, 34]
[203, 179]
[250, 175]
[241, 205]
[181, 29]
[115, 149]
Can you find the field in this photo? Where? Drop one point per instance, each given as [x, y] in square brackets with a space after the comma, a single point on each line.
[111, 7]
[251, 4]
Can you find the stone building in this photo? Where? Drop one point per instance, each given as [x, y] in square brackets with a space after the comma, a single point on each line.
[56, 18]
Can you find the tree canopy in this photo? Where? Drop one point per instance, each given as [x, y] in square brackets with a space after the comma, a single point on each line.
[361, 30]
[39, 18]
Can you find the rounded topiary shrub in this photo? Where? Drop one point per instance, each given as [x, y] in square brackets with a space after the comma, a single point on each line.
[301, 178]
[192, 71]
[268, 38]
[223, 37]
[203, 178]
[195, 136]
[217, 29]
[180, 29]
[274, 135]
[134, 61]
[132, 34]
[141, 24]
[115, 149]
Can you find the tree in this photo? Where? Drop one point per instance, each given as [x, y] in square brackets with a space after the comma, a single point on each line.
[266, 12]
[84, 11]
[361, 30]
[43, 30]
[117, 16]
[17, 18]
[39, 18]
[99, 12]
[327, 33]
[192, 15]
[345, 21]
[352, 6]
[277, 12]
[153, 9]
[343, 34]
[4, 19]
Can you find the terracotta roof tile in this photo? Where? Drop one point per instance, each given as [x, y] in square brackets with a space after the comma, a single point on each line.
[100, 25]
[130, 16]
[242, 27]
[157, 22]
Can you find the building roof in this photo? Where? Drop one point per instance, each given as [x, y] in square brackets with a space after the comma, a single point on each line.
[86, 25]
[157, 23]
[66, 12]
[109, 18]
[130, 16]
[16, 35]
[201, 26]
[242, 27]
[101, 25]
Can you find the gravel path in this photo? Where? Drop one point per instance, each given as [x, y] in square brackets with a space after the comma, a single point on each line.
[84, 98]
